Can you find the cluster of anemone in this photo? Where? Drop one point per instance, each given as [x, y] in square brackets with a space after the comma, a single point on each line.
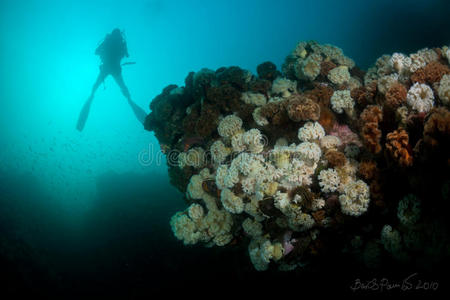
[283, 160]
[371, 117]
[396, 143]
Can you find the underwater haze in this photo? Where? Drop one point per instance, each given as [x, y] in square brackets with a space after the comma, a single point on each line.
[87, 213]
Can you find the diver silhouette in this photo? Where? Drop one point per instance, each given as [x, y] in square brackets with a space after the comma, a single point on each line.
[111, 51]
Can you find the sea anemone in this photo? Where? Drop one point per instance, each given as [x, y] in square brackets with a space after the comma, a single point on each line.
[355, 199]
[431, 73]
[335, 158]
[368, 169]
[420, 97]
[437, 127]
[339, 75]
[229, 126]
[370, 132]
[310, 132]
[397, 143]
[328, 180]
[342, 101]
[302, 109]
[444, 89]
[326, 66]
[284, 87]
[396, 95]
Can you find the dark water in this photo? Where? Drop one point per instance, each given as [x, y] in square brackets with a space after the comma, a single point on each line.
[70, 228]
[124, 248]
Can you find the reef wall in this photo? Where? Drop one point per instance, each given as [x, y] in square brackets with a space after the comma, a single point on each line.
[317, 157]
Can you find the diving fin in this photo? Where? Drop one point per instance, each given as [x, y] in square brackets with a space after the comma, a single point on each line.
[84, 113]
[138, 111]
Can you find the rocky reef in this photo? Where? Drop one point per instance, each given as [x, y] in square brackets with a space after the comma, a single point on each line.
[319, 157]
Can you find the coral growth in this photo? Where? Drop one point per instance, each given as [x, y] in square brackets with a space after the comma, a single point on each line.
[397, 143]
[444, 89]
[355, 199]
[431, 73]
[302, 109]
[328, 180]
[293, 165]
[268, 71]
[364, 95]
[229, 126]
[437, 127]
[335, 158]
[284, 87]
[420, 97]
[396, 95]
[339, 75]
[345, 135]
[368, 169]
[310, 132]
[326, 66]
[342, 101]
[370, 132]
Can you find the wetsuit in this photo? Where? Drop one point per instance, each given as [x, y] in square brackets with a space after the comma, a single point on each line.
[111, 52]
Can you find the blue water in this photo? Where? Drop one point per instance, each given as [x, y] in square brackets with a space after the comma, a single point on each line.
[66, 194]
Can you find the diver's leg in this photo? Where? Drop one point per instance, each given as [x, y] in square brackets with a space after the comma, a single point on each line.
[100, 78]
[119, 79]
[84, 113]
[138, 112]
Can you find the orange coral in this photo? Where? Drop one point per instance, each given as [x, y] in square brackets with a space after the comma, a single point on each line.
[396, 95]
[335, 158]
[319, 216]
[371, 134]
[437, 127]
[364, 95]
[327, 119]
[368, 169]
[358, 94]
[301, 108]
[418, 76]
[397, 143]
[321, 93]
[372, 114]
[275, 112]
[326, 66]
[431, 73]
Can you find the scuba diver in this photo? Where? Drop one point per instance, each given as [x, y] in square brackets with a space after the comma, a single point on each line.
[111, 51]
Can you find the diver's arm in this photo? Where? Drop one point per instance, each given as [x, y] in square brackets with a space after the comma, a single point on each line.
[101, 47]
[98, 50]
